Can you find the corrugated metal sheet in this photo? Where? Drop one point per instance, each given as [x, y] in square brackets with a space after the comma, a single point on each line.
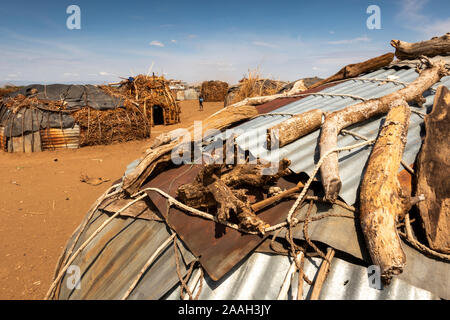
[114, 258]
[53, 138]
[303, 153]
[3, 140]
[262, 275]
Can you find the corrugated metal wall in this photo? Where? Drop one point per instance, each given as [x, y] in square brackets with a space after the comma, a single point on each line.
[53, 138]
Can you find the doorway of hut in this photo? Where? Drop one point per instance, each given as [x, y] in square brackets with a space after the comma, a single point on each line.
[158, 115]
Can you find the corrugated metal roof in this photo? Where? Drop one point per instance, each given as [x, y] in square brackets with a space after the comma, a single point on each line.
[261, 276]
[303, 153]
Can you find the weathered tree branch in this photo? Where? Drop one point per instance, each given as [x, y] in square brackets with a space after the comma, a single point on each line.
[341, 119]
[353, 70]
[295, 127]
[430, 48]
[213, 188]
[433, 173]
[382, 199]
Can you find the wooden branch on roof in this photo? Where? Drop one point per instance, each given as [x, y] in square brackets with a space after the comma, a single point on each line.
[383, 201]
[338, 120]
[354, 70]
[294, 128]
[433, 173]
[430, 48]
[226, 190]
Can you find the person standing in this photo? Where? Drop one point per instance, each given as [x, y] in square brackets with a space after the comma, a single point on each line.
[200, 102]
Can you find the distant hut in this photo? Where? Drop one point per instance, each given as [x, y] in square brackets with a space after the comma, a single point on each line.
[213, 91]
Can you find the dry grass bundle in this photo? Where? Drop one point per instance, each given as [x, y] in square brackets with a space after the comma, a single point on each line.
[213, 91]
[111, 126]
[252, 85]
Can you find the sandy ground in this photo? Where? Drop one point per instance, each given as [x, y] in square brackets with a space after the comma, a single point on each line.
[42, 201]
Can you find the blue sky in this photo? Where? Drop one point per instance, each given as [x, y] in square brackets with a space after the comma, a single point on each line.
[203, 40]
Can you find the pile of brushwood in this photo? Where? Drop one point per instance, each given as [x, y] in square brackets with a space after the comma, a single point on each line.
[230, 190]
[21, 101]
[252, 85]
[213, 91]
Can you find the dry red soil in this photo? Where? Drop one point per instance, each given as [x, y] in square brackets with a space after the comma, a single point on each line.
[42, 201]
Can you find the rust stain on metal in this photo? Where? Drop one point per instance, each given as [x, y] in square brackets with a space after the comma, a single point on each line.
[53, 138]
[220, 248]
[278, 103]
[3, 141]
[405, 179]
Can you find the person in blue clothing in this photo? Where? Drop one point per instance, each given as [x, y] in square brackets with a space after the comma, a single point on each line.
[200, 102]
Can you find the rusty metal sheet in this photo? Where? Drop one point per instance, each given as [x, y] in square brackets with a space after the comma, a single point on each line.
[278, 103]
[3, 140]
[53, 138]
[220, 248]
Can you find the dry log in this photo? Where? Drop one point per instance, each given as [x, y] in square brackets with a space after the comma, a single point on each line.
[228, 203]
[430, 48]
[250, 175]
[433, 173]
[161, 152]
[383, 201]
[213, 188]
[295, 127]
[240, 176]
[338, 120]
[354, 70]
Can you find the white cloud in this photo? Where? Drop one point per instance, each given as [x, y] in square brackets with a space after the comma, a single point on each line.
[412, 18]
[173, 41]
[192, 36]
[104, 73]
[264, 44]
[70, 74]
[156, 43]
[350, 41]
[332, 32]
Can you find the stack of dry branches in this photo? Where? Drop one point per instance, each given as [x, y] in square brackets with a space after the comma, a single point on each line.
[252, 85]
[109, 126]
[213, 91]
[21, 101]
